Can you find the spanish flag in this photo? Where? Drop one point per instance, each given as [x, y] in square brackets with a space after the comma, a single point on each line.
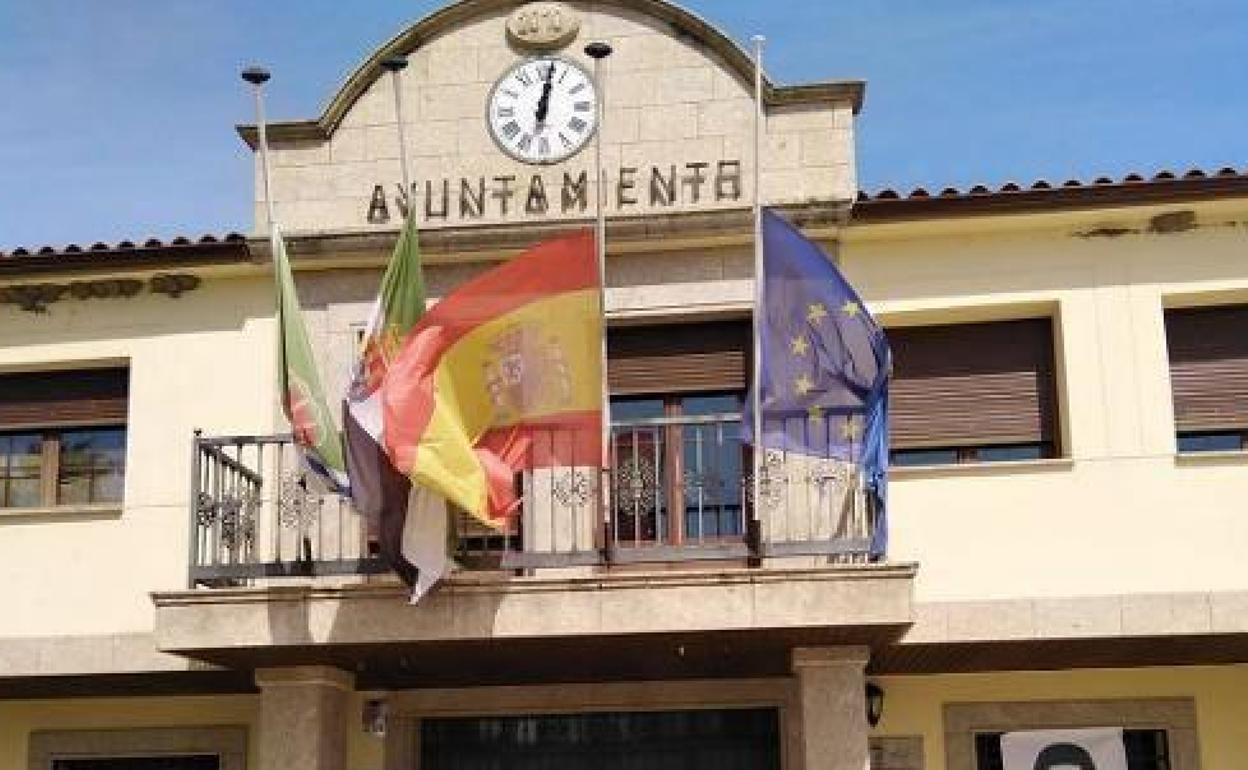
[503, 375]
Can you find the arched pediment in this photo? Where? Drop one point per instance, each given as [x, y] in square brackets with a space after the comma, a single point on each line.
[677, 127]
[682, 22]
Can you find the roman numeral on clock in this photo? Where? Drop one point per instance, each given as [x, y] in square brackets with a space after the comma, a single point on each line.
[576, 89]
[525, 143]
[511, 130]
[583, 106]
[566, 141]
[506, 112]
[525, 78]
[543, 146]
[578, 125]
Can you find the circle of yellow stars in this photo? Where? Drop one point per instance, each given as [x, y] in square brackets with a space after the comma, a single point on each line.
[803, 385]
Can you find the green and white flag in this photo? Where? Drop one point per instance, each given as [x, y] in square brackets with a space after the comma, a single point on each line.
[299, 381]
[410, 522]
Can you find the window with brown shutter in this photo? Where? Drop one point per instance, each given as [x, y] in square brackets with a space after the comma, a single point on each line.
[1208, 349]
[62, 437]
[973, 392]
[678, 358]
[676, 396]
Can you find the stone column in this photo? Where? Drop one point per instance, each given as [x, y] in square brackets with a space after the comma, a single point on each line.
[831, 707]
[303, 717]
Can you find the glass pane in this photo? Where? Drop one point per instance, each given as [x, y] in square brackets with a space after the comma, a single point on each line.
[1211, 442]
[723, 403]
[21, 452]
[98, 448]
[73, 488]
[23, 492]
[1010, 452]
[1146, 749]
[905, 457]
[625, 409]
[988, 751]
[712, 480]
[108, 487]
[92, 466]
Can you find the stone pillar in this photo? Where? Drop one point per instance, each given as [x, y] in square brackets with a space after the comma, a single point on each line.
[303, 717]
[831, 707]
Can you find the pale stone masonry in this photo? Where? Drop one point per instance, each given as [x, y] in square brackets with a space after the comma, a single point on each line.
[674, 111]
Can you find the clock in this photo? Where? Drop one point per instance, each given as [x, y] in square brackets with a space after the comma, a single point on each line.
[543, 110]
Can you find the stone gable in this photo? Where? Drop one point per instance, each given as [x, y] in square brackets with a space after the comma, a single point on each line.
[678, 130]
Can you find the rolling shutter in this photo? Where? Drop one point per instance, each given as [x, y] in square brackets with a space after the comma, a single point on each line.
[678, 358]
[53, 399]
[973, 385]
[1209, 367]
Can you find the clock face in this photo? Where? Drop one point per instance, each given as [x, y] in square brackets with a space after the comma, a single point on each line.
[543, 110]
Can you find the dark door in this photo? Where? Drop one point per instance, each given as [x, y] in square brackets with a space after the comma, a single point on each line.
[745, 739]
[169, 762]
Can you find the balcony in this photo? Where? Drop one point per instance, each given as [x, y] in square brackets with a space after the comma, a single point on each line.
[679, 492]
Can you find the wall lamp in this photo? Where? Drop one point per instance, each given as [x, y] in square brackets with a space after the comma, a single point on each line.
[875, 703]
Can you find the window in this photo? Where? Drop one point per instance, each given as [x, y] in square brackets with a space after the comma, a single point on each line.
[62, 438]
[1159, 733]
[970, 393]
[677, 394]
[1209, 377]
[161, 748]
[1146, 750]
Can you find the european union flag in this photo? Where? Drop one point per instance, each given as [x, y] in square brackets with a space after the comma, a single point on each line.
[825, 364]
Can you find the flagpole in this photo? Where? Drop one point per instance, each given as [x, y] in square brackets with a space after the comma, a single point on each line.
[395, 66]
[257, 77]
[598, 51]
[757, 377]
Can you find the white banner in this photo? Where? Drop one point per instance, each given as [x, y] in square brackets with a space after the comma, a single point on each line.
[1097, 748]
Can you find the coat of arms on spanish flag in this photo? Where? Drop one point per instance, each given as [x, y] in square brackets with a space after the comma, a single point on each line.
[503, 375]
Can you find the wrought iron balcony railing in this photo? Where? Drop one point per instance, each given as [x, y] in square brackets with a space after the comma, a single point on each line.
[678, 489]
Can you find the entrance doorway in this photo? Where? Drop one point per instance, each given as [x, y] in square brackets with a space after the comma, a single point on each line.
[736, 739]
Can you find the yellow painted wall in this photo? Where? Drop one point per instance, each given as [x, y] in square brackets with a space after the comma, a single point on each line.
[1123, 516]
[204, 360]
[18, 719]
[913, 704]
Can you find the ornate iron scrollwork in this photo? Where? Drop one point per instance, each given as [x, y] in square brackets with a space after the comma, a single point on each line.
[297, 506]
[238, 520]
[829, 473]
[636, 486]
[205, 509]
[572, 488]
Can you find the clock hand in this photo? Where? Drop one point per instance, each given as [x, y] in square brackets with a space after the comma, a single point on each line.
[543, 104]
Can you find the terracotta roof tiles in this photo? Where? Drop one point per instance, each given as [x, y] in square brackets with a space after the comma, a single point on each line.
[181, 249]
[1042, 194]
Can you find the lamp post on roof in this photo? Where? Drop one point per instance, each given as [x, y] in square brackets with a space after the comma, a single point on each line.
[599, 50]
[257, 77]
[395, 66]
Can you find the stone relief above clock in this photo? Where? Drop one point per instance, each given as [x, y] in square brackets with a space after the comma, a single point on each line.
[543, 26]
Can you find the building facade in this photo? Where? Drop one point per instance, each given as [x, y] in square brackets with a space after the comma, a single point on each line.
[1070, 454]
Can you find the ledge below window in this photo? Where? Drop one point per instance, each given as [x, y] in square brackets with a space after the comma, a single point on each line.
[96, 510]
[1222, 457]
[1004, 467]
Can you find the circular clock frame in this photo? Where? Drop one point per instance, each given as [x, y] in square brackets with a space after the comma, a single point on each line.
[585, 140]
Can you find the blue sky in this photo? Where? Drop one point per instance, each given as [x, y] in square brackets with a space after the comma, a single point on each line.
[119, 113]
